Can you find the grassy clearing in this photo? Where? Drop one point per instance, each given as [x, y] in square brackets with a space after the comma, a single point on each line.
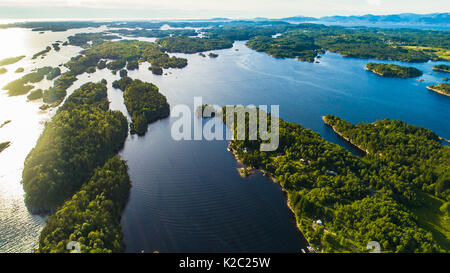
[432, 219]
[440, 52]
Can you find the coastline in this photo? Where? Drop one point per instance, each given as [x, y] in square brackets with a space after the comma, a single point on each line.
[345, 138]
[4, 146]
[374, 72]
[441, 70]
[274, 180]
[444, 139]
[391, 76]
[438, 91]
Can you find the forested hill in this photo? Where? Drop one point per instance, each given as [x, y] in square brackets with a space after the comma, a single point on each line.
[82, 136]
[374, 198]
[92, 216]
[416, 164]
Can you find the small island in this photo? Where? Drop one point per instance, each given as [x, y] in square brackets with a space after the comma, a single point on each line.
[4, 145]
[156, 70]
[442, 68]
[35, 94]
[144, 103]
[11, 60]
[393, 70]
[41, 53]
[22, 86]
[4, 123]
[442, 88]
[3, 70]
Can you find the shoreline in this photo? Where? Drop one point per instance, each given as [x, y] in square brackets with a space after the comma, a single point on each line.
[441, 70]
[444, 139]
[438, 91]
[343, 137]
[274, 180]
[390, 76]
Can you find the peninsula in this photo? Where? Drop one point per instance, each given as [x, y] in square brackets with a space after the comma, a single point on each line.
[442, 88]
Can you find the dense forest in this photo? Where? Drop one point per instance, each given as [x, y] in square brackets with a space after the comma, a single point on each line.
[92, 216]
[412, 163]
[144, 103]
[192, 45]
[324, 181]
[121, 53]
[393, 70]
[82, 135]
[295, 45]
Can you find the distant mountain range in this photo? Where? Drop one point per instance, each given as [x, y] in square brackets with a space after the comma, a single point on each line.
[441, 19]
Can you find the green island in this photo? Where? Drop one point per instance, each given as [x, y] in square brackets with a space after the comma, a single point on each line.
[213, 55]
[192, 45]
[378, 197]
[442, 88]
[42, 53]
[144, 103]
[81, 136]
[291, 45]
[11, 60]
[393, 70]
[19, 70]
[120, 54]
[92, 216]
[3, 70]
[442, 68]
[21, 86]
[4, 145]
[35, 94]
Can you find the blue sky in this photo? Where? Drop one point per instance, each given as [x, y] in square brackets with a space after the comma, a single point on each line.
[213, 8]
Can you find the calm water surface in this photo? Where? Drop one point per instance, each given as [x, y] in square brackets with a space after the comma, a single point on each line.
[187, 196]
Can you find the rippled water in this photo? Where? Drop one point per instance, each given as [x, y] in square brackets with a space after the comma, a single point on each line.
[187, 196]
[19, 230]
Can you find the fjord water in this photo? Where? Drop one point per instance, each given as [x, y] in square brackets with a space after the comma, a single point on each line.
[188, 196]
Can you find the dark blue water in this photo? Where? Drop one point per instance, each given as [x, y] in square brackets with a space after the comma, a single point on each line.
[188, 197]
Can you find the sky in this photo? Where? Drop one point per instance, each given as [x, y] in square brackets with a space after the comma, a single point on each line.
[211, 8]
